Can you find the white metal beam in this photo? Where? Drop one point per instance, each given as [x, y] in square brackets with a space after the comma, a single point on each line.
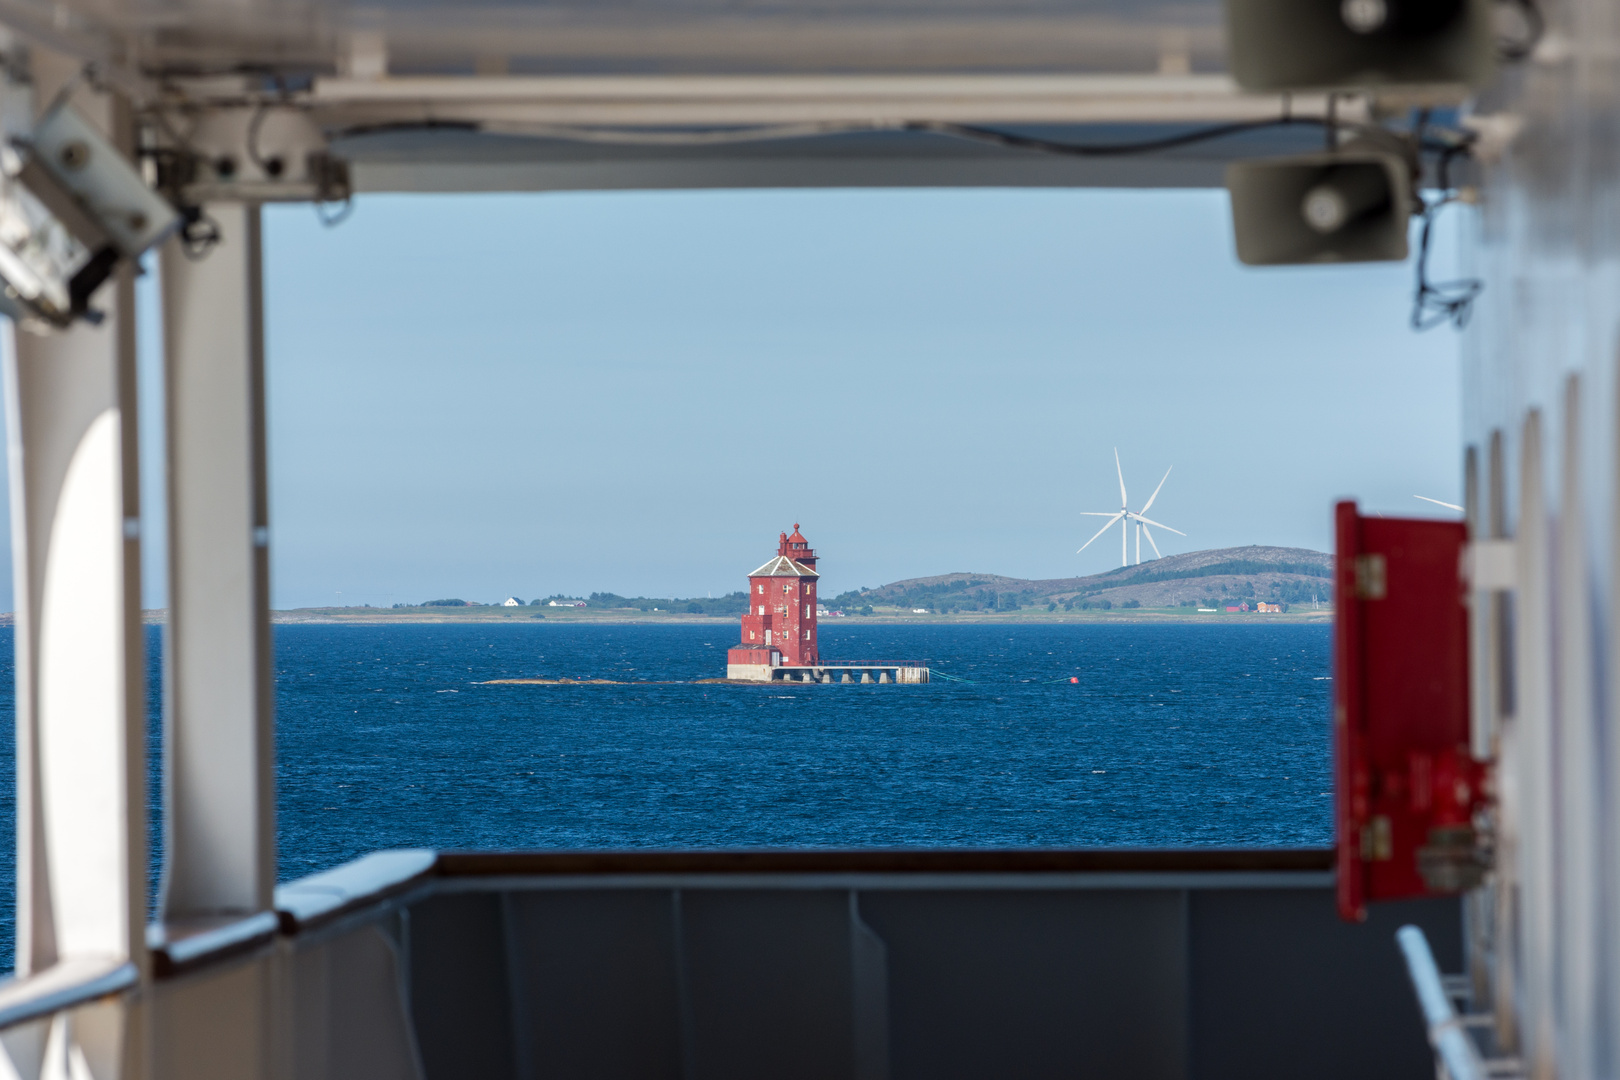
[514, 102]
[81, 821]
[219, 736]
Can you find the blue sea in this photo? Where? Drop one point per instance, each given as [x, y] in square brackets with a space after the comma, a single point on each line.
[387, 736]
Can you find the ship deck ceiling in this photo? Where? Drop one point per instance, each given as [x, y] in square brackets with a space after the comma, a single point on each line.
[430, 96]
[629, 36]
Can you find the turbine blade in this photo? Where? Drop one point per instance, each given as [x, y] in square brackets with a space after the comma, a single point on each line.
[1159, 525]
[1155, 494]
[1437, 502]
[1124, 501]
[1099, 513]
[1149, 533]
[1109, 524]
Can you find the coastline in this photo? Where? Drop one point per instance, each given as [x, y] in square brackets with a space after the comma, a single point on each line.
[621, 617]
[363, 616]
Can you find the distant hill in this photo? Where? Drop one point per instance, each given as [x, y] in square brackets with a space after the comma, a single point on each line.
[1208, 578]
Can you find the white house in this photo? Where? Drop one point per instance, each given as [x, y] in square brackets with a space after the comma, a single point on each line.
[511, 601]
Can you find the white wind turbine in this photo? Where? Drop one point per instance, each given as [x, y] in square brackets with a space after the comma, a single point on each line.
[1125, 515]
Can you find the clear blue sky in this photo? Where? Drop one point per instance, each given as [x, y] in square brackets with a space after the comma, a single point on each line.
[492, 395]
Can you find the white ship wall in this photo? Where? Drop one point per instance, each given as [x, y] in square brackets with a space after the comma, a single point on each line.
[1539, 416]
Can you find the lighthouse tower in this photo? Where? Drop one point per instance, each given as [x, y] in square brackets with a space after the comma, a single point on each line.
[780, 626]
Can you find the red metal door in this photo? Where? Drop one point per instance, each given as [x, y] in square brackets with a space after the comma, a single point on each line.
[1406, 786]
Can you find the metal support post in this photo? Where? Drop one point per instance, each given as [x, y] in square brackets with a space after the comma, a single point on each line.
[75, 511]
[219, 749]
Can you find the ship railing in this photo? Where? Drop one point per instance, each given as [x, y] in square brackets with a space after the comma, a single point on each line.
[1453, 1036]
[863, 963]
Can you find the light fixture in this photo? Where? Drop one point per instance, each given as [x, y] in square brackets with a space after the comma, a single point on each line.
[71, 207]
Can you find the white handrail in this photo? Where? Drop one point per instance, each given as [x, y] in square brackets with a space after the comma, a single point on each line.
[1451, 1043]
[63, 986]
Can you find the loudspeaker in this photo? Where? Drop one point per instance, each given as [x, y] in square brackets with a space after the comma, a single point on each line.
[1339, 44]
[1350, 206]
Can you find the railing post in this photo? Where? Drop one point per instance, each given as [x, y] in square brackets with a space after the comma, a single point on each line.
[219, 752]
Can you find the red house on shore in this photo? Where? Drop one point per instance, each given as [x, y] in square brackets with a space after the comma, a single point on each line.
[780, 626]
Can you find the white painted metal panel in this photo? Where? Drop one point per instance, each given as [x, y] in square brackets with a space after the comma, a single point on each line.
[80, 653]
[219, 746]
[1574, 775]
[1532, 743]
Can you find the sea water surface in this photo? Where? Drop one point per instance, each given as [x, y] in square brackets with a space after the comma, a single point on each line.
[1172, 735]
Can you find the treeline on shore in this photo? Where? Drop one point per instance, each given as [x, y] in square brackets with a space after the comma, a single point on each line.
[731, 604]
[962, 596]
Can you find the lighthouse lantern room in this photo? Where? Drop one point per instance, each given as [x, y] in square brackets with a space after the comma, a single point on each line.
[779, 628]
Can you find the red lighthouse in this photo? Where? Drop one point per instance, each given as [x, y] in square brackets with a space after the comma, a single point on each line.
[780, 626]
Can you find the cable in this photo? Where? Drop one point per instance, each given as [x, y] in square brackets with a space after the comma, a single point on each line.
[1118, 149]
[270, 167]
[333, 218]
[391, 127]
[1444, 301]
[763, 133]
[644, 137]
[199, 233]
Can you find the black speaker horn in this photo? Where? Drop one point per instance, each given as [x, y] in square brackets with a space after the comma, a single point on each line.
[1353, 205]
[1279, 45]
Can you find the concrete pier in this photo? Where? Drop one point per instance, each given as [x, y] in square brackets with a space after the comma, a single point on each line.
[833, 673]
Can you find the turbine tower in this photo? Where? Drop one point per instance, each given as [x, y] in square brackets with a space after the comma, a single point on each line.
[1125, 516]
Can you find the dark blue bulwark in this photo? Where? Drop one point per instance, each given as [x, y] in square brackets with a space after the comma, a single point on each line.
[936, 964]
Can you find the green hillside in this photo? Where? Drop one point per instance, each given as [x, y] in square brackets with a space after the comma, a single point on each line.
[1278, 575]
